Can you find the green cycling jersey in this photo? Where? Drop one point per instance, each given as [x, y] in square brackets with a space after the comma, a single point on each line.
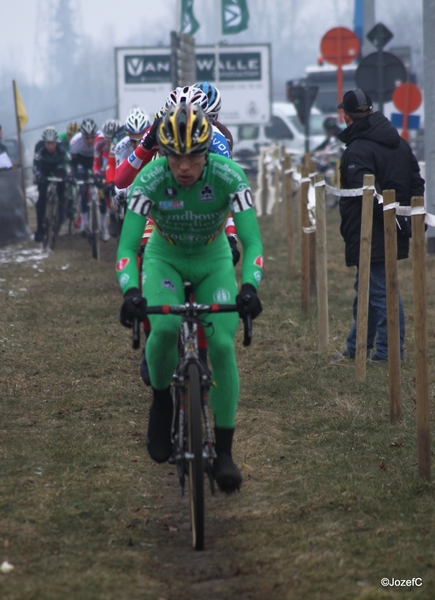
[190, 218]
[188, 244]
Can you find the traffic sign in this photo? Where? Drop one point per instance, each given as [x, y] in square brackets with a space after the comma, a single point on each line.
[413, 121]
[407, 97]
[303, 97]
[379, 35]
[392, 70]
[339, 46]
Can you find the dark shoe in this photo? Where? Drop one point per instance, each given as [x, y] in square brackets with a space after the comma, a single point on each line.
[226, 473]
[340, 355]
[39, 236]
[159, 441]
[376, 359]
[144, 372]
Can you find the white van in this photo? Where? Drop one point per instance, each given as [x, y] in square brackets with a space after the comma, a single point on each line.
[284, 127]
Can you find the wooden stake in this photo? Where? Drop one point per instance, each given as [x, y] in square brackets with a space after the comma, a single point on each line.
[420, 342]
[288, 199]
[322, 268]
[365, 253]
[305, 241]
[393, 328]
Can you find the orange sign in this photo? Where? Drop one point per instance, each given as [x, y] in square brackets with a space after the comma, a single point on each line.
[339, 46]
[406, 98]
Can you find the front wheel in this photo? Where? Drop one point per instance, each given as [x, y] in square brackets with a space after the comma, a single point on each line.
[196, 462]
[53, 204]
[95, 229]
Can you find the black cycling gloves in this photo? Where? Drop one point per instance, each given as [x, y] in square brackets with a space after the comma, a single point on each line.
[151, 139]
[247, 301]
[133, 307]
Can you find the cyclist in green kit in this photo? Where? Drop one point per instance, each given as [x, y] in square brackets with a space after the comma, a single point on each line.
[189, 193]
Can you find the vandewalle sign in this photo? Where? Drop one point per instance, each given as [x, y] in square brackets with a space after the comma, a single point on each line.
[144, 79]
[147, 69]
[155, 68]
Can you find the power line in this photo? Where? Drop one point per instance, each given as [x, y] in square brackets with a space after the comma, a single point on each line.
[69, 119]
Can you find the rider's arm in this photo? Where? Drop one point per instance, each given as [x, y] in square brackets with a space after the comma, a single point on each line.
[130, 167]
[131, 235]
[248, 233]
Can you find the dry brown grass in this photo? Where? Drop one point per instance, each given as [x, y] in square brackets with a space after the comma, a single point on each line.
[331, 500]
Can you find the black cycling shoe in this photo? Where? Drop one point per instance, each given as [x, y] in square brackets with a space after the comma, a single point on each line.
[159, 441]
[144, 372]
[39, 236]
[226, 473]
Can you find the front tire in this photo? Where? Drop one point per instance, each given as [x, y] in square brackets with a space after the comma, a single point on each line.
[95, 230]
[196, 465]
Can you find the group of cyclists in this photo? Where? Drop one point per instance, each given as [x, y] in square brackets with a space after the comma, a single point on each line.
[186, 199]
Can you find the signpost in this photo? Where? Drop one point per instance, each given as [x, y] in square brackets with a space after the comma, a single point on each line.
[340, 46]
[406, 98]
[303, 97]
[379, 73]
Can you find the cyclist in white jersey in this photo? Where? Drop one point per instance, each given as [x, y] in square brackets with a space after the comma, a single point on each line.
[82, 159]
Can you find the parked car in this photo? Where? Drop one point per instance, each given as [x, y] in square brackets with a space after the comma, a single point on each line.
[284, 127]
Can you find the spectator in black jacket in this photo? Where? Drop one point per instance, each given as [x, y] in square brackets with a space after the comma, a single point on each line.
[373, 146]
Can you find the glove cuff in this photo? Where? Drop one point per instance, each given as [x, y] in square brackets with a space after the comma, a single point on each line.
[248, 288]
[132, 293]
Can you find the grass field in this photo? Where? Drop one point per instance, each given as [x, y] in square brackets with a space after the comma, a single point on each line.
[331, 501]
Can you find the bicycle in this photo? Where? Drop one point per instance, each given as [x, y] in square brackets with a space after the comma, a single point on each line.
[72, 202]
[117, 206]
[51, 219]
[93, 196]
[192, 432]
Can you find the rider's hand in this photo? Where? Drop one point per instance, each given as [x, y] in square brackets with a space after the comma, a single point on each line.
[150, 139]
[37, 178]
[98, 179]
[232, 239]
[133, 307]
[109, 188]
[247, 301]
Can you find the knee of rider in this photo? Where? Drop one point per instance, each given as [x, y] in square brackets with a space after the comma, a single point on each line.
[165, 329]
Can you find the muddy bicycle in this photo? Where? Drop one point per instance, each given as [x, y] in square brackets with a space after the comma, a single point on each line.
[51, 223]
[193, 444]
[92, 232]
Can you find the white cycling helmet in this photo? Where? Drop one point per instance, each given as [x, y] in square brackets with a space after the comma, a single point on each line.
[213, 96]
[188, 94]
[50, 134]
[137, 121]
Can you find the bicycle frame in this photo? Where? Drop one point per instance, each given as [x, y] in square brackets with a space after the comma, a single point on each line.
[93, 196]
[51, 212]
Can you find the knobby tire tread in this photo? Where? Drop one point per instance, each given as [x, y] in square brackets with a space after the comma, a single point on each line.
[95, 230]
[196, 467]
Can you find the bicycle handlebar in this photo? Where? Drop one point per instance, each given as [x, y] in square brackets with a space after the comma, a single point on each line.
[53, 179]
[193, 309]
